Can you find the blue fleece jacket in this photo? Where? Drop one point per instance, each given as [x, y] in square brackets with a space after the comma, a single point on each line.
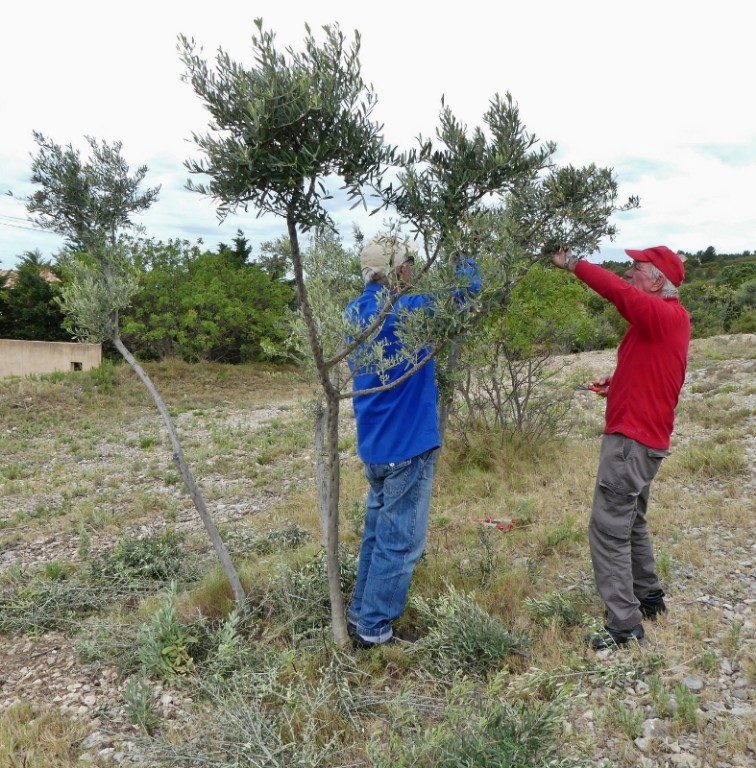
[399, 423]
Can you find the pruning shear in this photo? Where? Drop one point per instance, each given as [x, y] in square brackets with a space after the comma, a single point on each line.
[594, 386]
[502, 524]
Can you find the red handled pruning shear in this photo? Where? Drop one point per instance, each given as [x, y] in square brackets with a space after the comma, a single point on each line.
[594, 386]
[507, 524]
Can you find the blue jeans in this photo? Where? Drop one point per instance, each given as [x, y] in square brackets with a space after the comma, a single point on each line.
[396, 524]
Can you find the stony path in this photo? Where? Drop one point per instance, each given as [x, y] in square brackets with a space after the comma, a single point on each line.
[721, 682]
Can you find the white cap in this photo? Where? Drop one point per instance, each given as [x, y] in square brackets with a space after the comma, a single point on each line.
[383, 254]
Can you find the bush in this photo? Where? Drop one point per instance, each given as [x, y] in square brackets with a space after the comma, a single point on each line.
[163, 646]
[158, 558]
[476, 729]
[463, 636]
[204, 306]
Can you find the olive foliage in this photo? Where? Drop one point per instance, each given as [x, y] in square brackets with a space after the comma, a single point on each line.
[91, 203]
[287, 127]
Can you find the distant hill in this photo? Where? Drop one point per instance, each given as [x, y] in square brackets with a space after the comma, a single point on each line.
[702, 266]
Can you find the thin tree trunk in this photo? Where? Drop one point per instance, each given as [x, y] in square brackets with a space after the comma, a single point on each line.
[327, 467]
[445, 405]
[328, 475]
[183, 468]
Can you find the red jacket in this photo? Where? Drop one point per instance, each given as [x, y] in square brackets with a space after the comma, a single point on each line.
[651, 359]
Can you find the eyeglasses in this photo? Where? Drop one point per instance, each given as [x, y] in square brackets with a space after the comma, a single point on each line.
[636, 265]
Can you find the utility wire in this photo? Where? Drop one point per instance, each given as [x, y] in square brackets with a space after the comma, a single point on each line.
[24, 224]
[20, 226]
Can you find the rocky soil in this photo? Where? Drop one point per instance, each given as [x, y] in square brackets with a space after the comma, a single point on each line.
[718, 595]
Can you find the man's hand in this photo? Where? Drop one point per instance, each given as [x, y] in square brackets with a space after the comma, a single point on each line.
[560, 258]
[603, 382]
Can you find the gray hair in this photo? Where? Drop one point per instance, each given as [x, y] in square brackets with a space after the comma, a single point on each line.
[669, 290]
[371, 276]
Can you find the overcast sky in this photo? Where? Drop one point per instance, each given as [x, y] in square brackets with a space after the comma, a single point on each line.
[660, 91]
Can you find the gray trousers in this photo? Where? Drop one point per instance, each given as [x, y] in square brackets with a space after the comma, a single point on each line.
[621, 551]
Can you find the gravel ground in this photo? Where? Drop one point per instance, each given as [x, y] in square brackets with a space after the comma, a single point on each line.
[717, 592]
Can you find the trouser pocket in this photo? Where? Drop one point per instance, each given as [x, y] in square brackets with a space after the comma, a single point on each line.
[616, 491]
[613, 510]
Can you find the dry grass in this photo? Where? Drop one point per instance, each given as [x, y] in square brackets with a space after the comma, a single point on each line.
[85, 461]
[39, 737]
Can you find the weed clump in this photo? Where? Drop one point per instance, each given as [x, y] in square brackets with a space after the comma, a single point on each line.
[154, 558]
[463, 636]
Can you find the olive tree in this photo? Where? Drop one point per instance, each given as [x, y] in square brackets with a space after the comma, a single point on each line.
[294, 121]
[91, 203]
[279, 130]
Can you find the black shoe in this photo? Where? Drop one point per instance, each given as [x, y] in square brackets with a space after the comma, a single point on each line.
[351, 628]
[609, 638]
[397, 638]
[653, 604]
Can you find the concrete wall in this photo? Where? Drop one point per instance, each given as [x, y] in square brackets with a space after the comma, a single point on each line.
[21, 358]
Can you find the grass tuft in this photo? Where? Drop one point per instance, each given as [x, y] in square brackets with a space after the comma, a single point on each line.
[461, 635]
[39, 737]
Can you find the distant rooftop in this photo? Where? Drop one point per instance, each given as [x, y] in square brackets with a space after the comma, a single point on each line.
[10, 275]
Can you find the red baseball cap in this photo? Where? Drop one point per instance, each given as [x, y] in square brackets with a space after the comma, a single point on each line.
[665, 260]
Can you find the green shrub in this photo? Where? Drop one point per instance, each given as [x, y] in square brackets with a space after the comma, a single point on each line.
[155, 558]
[556, 609]
[463, 636]
[475, 729]
[291, 536]
[297, 598]
[140, 705]
[163, 645]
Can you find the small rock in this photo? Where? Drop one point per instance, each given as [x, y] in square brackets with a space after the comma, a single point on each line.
[693, 683]
[740, 694]
[655, 729]
[95, 739]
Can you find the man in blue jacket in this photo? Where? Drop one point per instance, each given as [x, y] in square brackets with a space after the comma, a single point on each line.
[397, 439]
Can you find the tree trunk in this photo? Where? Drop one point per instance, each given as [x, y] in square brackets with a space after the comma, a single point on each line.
[327, 473]
[183, 468]
[327, 468]
[452, 362]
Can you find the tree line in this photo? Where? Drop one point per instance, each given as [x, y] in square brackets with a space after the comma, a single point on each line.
[232, 305]
[192, 303]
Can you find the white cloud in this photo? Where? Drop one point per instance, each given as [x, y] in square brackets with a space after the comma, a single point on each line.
[653, 90]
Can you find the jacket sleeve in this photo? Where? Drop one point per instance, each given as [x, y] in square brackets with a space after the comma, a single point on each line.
[647, 313]
[468, 273]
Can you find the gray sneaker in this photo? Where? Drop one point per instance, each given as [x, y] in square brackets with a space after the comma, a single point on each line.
[397, 638]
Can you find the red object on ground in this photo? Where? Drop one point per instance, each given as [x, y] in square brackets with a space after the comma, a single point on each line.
[502, 524]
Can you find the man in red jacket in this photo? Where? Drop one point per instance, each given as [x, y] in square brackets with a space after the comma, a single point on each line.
[641, 398]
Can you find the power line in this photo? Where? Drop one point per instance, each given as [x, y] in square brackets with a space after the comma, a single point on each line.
[27, 227]
[18, 226]
[13, 218]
